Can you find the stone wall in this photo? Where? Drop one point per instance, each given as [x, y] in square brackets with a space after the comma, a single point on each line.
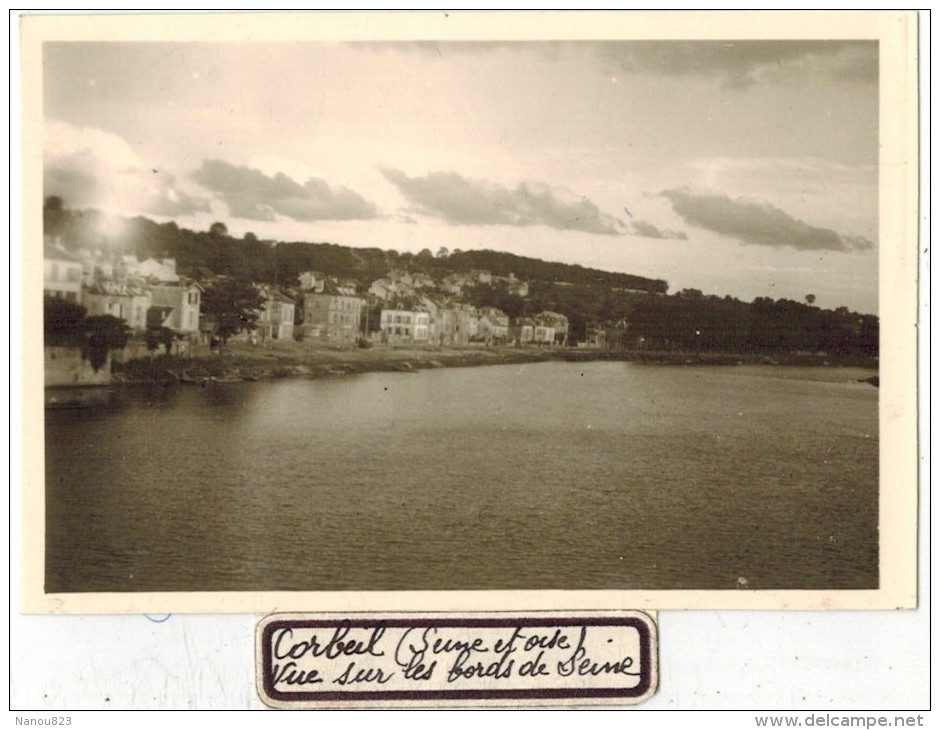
[64, 366]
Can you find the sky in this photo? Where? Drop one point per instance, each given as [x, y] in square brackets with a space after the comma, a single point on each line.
[744, 168]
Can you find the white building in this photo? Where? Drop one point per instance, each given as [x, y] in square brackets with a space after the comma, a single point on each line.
[62, 274]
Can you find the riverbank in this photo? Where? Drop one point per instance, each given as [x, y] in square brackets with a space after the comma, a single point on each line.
[243, 362]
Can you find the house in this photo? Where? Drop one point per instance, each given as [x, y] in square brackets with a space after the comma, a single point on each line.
[421, 281]
[405, 326]
[466, 323]
[332, 314]
[595, 337]
[276, 319]
[346, 287]
[449, 322]
[312, 280]
[98, 265]
[400, 275]
[388, 290]
[62, 274]
[556, 321]
[513, 285]
[383, 289]
[147, 306]
[435, 311]
[493, 326]
[185, 300]
[443, 324]
[412, 281]
[522, 331]
[519, 288]
[118, 299]
[454, 283]
[543, 334]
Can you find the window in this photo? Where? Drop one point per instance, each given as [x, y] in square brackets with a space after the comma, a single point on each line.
[194, 297]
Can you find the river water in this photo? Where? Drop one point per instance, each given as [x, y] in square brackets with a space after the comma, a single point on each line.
[598, 475]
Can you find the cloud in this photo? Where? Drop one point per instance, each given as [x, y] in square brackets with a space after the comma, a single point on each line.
[743, 63]
[251, 194]
[738, 63]
[648, 230]
[757, 223]
[461, 201]
[92, 168]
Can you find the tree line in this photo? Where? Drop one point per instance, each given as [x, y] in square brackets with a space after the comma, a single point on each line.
[280, 263]
[693, 322]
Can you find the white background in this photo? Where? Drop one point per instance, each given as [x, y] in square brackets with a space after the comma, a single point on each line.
[793, 661]
[796, 661]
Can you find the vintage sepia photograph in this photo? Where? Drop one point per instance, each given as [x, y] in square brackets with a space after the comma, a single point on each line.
[467, 313]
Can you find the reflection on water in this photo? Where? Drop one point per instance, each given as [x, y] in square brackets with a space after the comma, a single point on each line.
[551, 475]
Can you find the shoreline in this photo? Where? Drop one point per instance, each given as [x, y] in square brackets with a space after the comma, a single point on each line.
[243, 363]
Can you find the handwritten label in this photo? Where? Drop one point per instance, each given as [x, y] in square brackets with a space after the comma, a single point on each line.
[315, 660]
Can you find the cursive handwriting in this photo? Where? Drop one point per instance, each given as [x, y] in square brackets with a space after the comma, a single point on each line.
[579, 663]
[435, 657]
[353, 675]
[416, 648]
[464, 668]
[337, 645]
[290, 674]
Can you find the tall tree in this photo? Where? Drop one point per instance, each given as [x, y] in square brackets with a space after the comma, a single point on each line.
[156, 336]
[234, 306]
[104, 333]
[62, 321]
[54, 215]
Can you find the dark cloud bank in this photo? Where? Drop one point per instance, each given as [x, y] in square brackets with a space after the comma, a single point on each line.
[757, 223]
[252, 194]
[459, 200]
[734, 63]
[743, 63]
[648, 230]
